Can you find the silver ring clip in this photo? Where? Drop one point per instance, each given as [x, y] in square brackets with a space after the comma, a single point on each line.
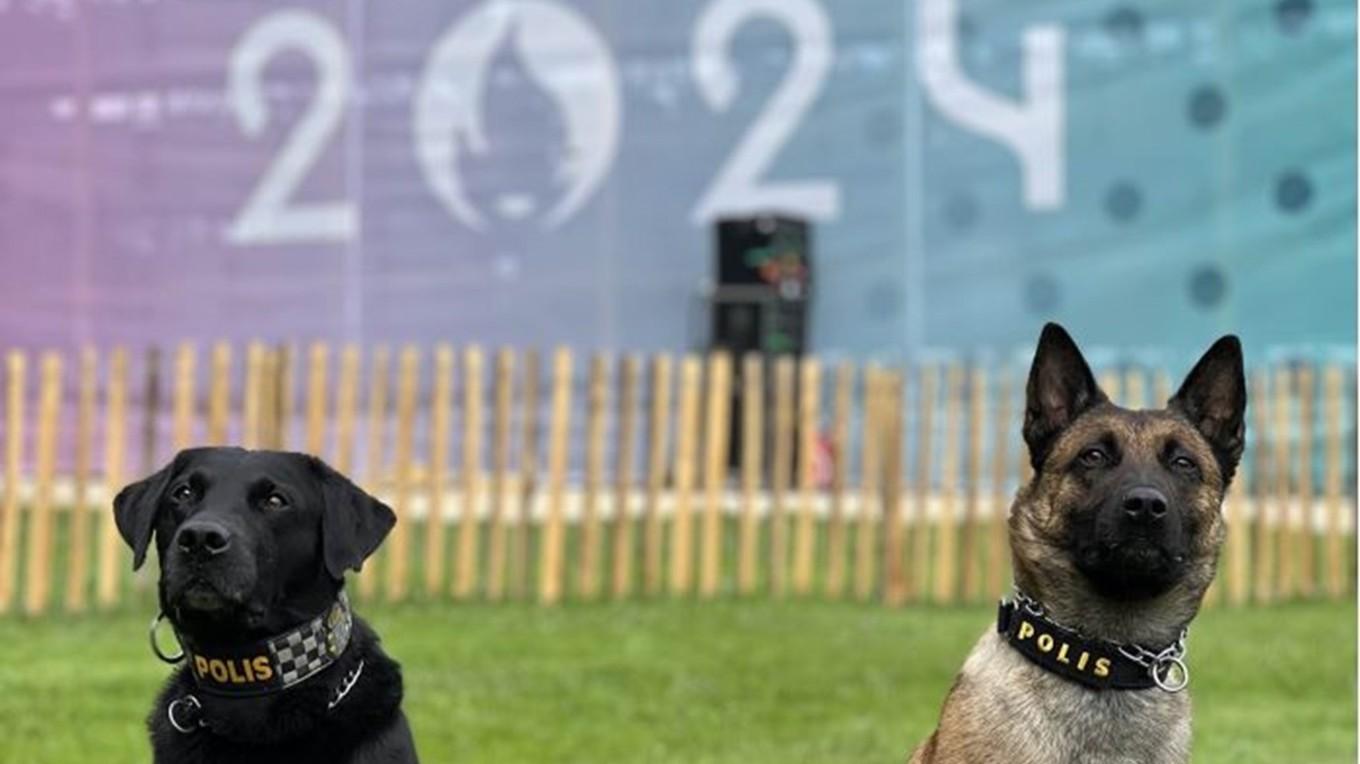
[155, 645]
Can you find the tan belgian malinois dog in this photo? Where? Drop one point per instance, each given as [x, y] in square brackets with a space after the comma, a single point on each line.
[1113, 544]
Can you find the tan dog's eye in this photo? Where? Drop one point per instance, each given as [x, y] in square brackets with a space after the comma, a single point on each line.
[1184, 463]
[1093, 457]
[275, 501]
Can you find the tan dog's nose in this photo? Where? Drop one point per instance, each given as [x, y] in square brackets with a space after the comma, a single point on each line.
[1144, 505]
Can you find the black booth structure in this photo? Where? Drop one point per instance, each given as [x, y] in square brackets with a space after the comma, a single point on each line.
[760, 298]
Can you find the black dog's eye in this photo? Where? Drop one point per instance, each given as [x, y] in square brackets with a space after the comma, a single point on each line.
[182, 494]
[1184, 463]
[1093, 457]
[274, 500]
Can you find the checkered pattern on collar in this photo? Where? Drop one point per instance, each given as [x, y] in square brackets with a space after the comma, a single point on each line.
[308, 649]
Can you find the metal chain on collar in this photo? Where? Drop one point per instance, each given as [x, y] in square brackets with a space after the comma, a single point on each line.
[1166, 666]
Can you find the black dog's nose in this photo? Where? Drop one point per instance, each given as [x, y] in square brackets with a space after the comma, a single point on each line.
[1144, 505]
[203, 538]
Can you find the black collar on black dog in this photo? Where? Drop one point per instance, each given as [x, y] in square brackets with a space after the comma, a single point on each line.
[271, 664]
[266, 666]
[1095, 663]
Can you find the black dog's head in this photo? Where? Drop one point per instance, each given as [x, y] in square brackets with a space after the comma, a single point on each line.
[1126, 504]
[250, 542]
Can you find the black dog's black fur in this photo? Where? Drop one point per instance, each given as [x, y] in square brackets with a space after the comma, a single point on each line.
[285, 564]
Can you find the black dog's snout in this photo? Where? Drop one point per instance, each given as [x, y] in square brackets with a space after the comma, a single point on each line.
[1144, 504]
[203, 539]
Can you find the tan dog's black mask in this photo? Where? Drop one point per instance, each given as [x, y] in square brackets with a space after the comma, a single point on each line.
[1134, 492]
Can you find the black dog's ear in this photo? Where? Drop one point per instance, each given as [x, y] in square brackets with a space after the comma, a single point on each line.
[1060, 388]
[353, 523]
[1214, 398]
[135, 507]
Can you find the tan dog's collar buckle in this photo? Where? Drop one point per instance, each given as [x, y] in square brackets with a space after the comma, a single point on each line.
[1167, 667]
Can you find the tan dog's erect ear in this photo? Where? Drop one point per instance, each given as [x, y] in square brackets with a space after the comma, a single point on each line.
[353, 523]
[1061, 387]
[1214, 398]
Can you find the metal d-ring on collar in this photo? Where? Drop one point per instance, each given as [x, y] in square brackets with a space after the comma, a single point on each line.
[1166, 666]
[192, 709]
[156, 647]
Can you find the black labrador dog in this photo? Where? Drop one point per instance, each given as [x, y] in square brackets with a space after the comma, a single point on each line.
[254, 546]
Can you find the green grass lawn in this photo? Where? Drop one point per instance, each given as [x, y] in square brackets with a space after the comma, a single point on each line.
[731, 681]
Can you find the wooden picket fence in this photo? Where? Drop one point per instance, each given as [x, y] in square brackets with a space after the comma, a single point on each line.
[865, 482]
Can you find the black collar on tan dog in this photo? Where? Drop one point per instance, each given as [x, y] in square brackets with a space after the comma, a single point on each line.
[266, 666]
[1095, 663]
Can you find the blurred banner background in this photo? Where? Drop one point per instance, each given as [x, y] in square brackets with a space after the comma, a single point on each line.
[1150, 172]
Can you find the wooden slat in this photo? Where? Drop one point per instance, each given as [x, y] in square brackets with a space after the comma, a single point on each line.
[809, 436]
[111, 552]
[219, 395]
[375, 458]
[17, 371]
[898, 582]
[1332, 381]
[501, 415]
[469, 523]
[658, 436]
[969, 551]
[946, 527]
[441, 422]
[752, 462]
[318, 364]
[554, 531]
[252, 407]
[399, 540]
[528, 484]
[589, 558]
[686, 440]
[269, 398]
[715, 470]
[1134, 395]
[346, 407]
[38, 575]
[625, 441]
[780, 473]
[928, 401]
[866, 544]
[78, 571]
[840, 468]
[1162, 387]
[1285, 582]
[1306, 537]
[284, 395]
[1238, 551]
[151, 409]
[998, 567]
[1109, 383]
[1264, 548]
[183, 431]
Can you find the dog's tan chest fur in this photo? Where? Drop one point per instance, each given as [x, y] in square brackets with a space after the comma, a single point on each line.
[1005, 709]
